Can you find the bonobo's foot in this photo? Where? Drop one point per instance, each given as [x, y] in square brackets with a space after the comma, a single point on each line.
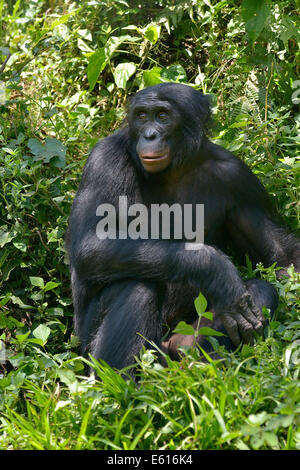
[177, 340]
[242, 324]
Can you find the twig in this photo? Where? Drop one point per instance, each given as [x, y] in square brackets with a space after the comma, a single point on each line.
[4, 63]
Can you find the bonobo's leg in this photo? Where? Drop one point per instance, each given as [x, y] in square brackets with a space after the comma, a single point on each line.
[263, 294]
[117, 321]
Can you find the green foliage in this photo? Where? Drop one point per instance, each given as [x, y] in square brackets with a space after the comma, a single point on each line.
[255, 14]
[200, 307]
[66, 70]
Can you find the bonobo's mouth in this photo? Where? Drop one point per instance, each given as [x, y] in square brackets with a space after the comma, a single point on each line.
[154, 157]
[154, 162]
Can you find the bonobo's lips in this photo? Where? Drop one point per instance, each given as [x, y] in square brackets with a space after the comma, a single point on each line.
[154, 157]
[154, 162]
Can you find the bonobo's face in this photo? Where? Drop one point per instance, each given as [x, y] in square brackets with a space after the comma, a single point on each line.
[153, 123]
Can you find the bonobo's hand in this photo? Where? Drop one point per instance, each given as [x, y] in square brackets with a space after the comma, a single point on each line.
[243, 321]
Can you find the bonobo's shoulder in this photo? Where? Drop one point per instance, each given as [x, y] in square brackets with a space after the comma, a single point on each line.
[114, 143]
[224, 162]
[110, 151]
[221, 155]
[232, 172]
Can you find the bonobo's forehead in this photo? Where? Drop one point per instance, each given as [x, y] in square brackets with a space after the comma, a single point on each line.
[146, 94]
[149, 100]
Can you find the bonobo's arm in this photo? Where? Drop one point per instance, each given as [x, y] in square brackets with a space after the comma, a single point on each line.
[106, 177]
[253, 224]
[105, 261]
[264, 239]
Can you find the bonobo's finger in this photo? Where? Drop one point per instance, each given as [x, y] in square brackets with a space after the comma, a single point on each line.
[258, 314]
[254, 321]
[246, 329]
[232, 329]
[247, 304]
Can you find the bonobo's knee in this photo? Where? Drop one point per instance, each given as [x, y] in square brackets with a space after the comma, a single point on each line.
[263, 294]
[131, 317]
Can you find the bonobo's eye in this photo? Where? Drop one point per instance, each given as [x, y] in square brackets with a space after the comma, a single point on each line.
[162, 116]
[141, 115]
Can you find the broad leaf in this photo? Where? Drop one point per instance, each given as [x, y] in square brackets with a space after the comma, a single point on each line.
[206, 331]
[174, 73]
[51, 148]
[152, 77]
[184, 329]
[51, 285]
[122, 73]
[152, 33]
[200, 304]
[115, 41]
[97, 63]
[37, 281]
[255, 14]
[42, 332]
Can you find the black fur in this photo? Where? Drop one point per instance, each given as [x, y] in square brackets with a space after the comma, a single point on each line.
[124, 290]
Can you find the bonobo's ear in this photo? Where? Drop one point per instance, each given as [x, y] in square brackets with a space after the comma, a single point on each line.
[202, 105]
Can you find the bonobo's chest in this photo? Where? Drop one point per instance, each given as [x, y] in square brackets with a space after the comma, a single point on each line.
[195, 198]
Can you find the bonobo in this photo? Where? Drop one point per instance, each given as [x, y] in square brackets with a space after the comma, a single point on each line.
[131, 285]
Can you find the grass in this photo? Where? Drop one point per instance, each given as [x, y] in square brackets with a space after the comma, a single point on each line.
[247, 400]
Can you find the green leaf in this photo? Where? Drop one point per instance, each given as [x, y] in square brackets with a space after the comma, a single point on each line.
[115, 41]
[200, 304]
[55, 311]
[45, 152]
[271, 439]
[9, 322]
[280, 420]
[67, 376]
[5, 237]
[184, 329]
[255, 14]
[152, 77]
[208, 315]
[63, 19]
[18, 378]
[257, 441]
[123, 72]
[22, 338]
[82, 46]
[62, 403]
[37, 281]
[16, 300]
[38, 341]
[206, 331]
[152, 33]
[259, 418]
[97, 63]
[287, 30]
[51, 285]
[42, 332]
[20, 246]
[174, 73]
[5, 299]
[247, 351]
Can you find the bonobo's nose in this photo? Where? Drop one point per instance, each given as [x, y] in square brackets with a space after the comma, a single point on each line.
[150, 134]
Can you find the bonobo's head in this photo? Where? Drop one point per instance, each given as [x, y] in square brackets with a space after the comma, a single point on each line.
[167, 124]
